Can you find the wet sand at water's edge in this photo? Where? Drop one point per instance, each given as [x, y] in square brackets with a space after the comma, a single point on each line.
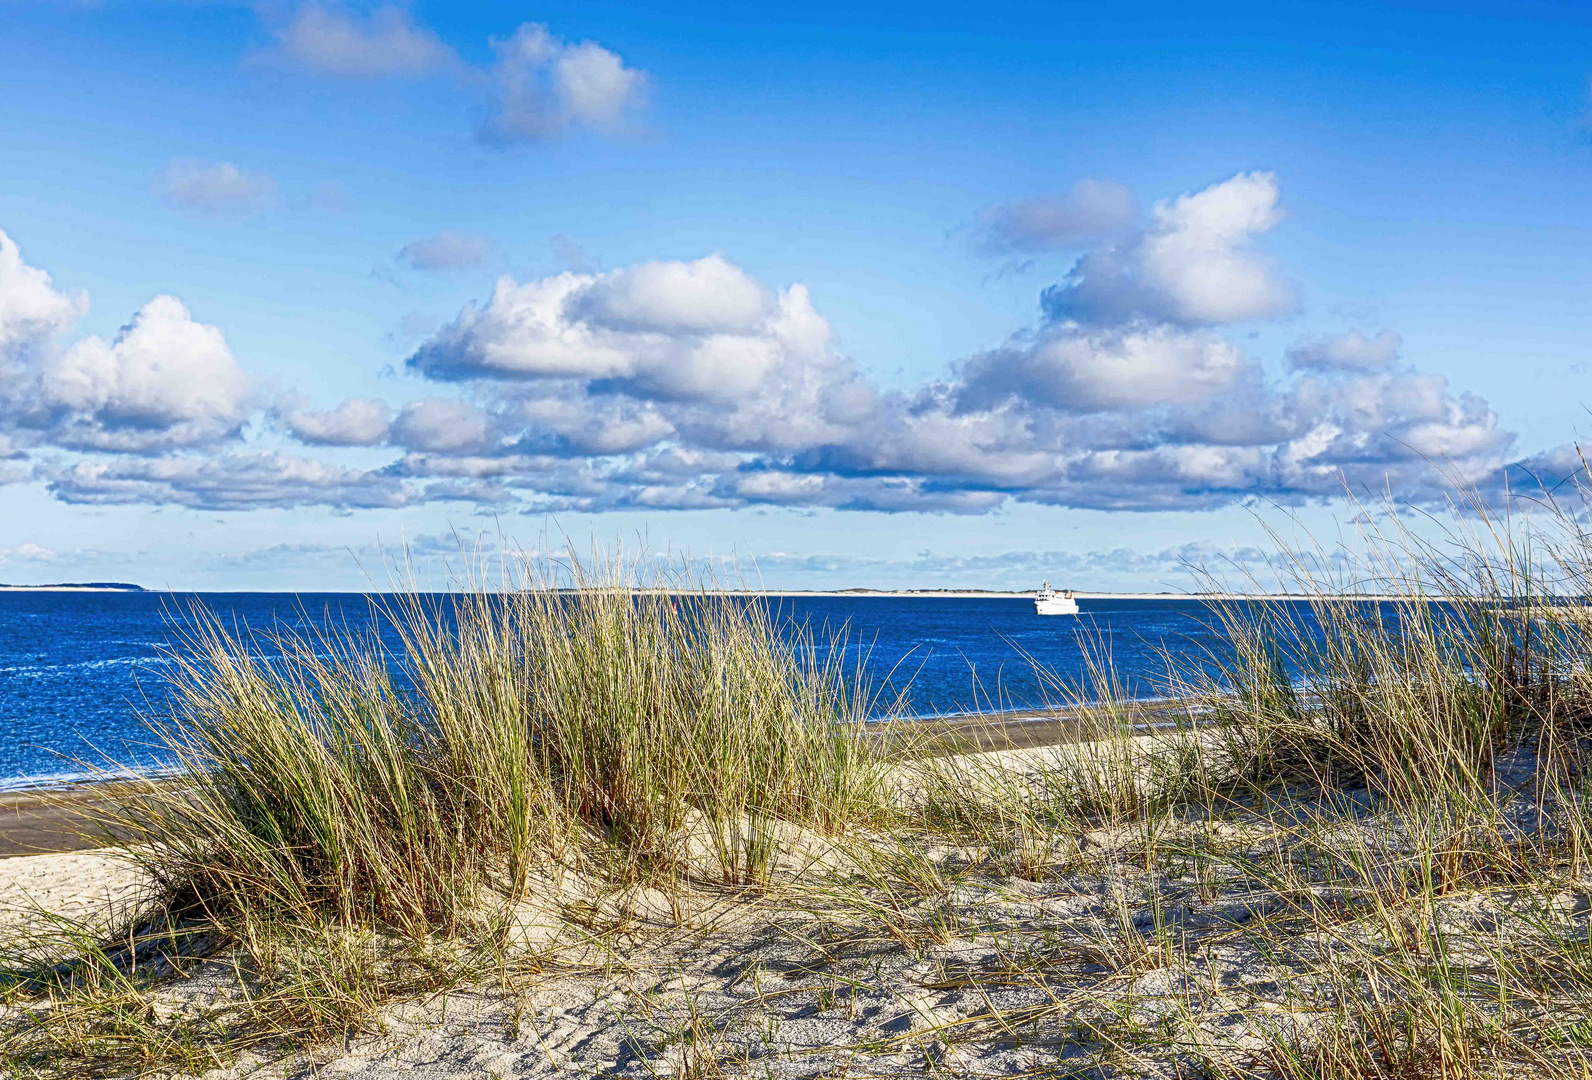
[38, 821]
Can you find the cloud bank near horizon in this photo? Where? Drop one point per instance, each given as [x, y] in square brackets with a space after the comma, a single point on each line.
[677, 385]
[449, 558]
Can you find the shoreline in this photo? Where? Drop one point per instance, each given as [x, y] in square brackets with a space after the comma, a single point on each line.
[53, 818]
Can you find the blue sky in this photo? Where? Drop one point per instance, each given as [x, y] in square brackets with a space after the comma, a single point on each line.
[869, 295]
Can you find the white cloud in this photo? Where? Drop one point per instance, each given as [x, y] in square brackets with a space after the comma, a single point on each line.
[1195, 264]
[708, 296]
[692, 385]
[165, 380]
[581, 425]
[1378, 419]
[594, 84]
[334, 41]
[1351, 351]
[440, 425]
[544, 84]
[215, 187]
[538, 86]
[1092, 211]
[675, 385]
[701, 330]
[433, 425]
[30, 308]
[27, 552]
[448, 250]
[1077, 370]
[354, 422]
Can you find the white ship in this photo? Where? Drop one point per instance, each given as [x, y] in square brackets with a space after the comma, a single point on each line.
[1048, 601]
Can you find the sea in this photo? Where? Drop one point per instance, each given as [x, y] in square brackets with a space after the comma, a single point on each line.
[80, 671]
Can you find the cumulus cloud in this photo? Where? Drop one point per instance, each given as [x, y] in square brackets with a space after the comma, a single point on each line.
[544, 84]
[707, 296]
[334, 41]
[569, 423]
[673, 385]
[1128, 397]
[1195, 264]
[448, 250]
[537, 87]
[31, 310]
[691, 385]
[1092, 211]
[1351, 351]
[441, 425]
[1086, 371]
[219, 187]
[431, 424]
[701, 330]
[1307, 440]
[1380, 418]
[165, 380]
[354, 422]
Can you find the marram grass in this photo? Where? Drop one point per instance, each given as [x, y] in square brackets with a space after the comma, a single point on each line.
[522, 727]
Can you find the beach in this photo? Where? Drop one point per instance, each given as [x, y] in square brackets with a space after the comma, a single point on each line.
[842, 541]
[1070, 955]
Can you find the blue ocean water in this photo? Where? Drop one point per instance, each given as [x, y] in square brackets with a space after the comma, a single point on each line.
[78, 669]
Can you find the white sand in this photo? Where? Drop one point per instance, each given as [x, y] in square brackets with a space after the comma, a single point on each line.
[77, 884]
[822, 980]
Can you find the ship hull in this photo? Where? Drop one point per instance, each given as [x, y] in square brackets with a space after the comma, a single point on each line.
[1056, 605]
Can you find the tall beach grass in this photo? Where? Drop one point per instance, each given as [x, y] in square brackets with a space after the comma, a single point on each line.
[511, 730]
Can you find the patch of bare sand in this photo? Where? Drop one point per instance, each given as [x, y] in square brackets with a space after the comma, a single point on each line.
[91, 885]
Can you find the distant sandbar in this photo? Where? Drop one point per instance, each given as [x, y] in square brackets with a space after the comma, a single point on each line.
[77, 586]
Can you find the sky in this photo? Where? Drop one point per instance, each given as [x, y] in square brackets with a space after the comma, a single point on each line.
[833, 294]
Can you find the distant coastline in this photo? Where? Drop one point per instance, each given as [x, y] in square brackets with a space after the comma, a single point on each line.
[857, 593]
[77, 586]
[1028, 594]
